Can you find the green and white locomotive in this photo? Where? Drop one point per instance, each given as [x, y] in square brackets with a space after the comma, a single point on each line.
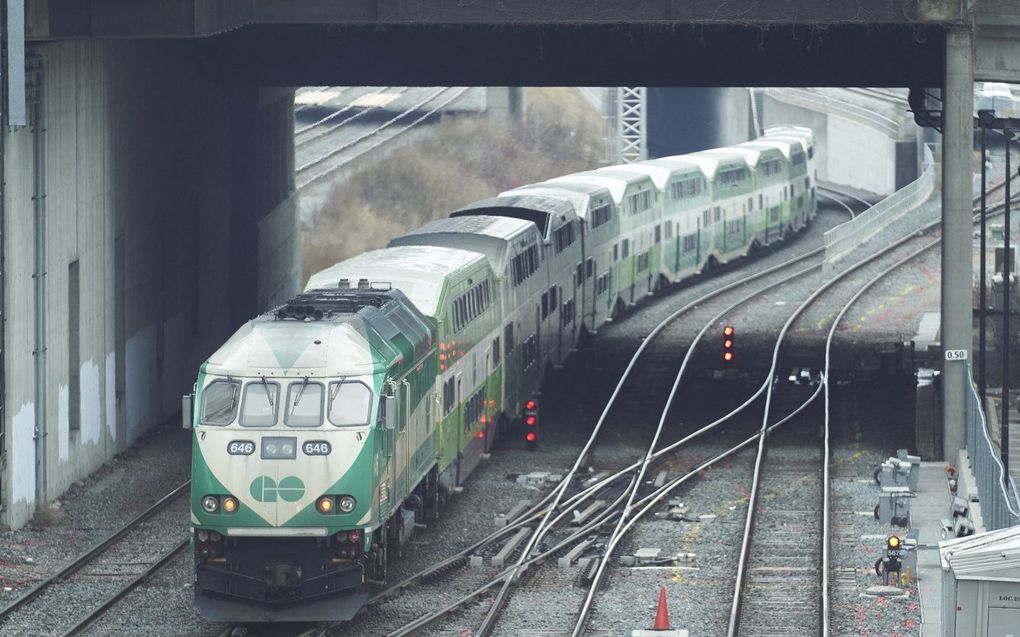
[326, 429]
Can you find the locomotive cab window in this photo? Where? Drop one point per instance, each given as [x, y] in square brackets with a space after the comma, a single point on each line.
[219, 402]
[304, 405]
[349, 403]
[259, 407]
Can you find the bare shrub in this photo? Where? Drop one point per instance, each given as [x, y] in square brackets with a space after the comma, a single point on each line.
[467, 158]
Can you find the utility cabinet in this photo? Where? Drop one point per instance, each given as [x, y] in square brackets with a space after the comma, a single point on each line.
[981, 585]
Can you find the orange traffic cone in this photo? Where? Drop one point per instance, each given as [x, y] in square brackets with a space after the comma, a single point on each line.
[661, 613]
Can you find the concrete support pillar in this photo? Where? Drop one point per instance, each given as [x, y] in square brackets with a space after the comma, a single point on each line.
[508, 100]
[244, 140]
[957, 150]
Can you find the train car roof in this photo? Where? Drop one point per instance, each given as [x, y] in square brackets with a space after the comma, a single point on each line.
[536, 208]
[677, 164]
[420, 272]
[488, 235]
[707, 163]
[797, 143]
[659, 174]
[327, 333]
[579, 200]
[770, 143]
[789, 130]
[616, 182]
[749, 155]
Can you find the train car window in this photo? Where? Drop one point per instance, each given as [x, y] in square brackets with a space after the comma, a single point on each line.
[589, 266]
[545, 304]
[600, 216]
[349, 403]
[304, 405]
[449, 397]
[220, 399]
[259, 407]
[625, 248]
[658, 234]
[616, 252]
[508, 339]
[495, 351]
[553, 303]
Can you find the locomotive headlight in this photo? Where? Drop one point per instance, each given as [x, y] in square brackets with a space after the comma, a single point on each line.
[229, 504]
[210, 504]
[346, 503]
[325, 504]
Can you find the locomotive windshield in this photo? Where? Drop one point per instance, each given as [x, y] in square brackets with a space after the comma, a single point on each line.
[258, 403]
[219, 402]
[349, 403]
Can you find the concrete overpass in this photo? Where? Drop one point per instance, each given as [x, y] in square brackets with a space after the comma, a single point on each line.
[148, 163]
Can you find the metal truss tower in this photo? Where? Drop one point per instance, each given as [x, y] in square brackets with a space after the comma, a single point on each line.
[627, 112]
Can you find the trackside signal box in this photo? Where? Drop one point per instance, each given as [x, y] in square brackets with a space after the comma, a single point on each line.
[981, 584]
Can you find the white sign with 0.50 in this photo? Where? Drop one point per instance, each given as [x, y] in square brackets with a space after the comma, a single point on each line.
[956, 354]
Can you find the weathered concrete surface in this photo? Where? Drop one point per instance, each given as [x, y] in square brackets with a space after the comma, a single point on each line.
[128, 163]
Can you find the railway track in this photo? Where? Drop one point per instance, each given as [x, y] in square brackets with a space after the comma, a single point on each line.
[323, 155]
[108, 571]
[639, 505]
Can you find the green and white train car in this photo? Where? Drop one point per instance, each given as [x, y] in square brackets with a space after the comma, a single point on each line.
[324, 430]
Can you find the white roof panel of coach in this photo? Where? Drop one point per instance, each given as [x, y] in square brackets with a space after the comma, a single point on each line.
[417, 271]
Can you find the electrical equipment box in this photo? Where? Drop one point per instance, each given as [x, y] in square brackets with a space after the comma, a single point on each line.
[981, 584]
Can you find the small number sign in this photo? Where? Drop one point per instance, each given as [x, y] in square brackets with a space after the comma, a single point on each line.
[956, 354]
[316, 448]
[241, 448]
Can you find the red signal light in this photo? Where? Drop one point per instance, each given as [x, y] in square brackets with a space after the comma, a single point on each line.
[531, 404]
[729, 337]
[530, 421]
[531, 437]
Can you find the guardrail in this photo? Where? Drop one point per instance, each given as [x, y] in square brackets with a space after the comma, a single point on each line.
[839, 108]
[1000, 502]
[845, 237]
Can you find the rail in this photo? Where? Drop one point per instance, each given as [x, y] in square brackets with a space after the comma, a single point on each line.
[845, 237]
[1000, 504]
[815, 101]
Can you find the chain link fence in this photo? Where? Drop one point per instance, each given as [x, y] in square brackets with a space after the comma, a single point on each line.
[1000, 503]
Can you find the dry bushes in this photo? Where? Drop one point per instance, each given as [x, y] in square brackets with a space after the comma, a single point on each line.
[467, 158]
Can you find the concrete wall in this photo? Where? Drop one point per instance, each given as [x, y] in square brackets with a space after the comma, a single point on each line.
[684, 120]
[134, 174]
[853, 153]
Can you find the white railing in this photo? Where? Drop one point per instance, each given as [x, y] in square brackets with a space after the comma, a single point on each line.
[847, 236]
[839, 108]
[1000, 503]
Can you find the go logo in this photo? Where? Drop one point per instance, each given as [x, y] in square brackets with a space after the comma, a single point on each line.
[265, 489]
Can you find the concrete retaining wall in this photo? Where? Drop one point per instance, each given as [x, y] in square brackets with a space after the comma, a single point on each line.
[853, 153]
[131, 173]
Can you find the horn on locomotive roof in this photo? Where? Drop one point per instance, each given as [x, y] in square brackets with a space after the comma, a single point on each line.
[344, 284]
[363, 284]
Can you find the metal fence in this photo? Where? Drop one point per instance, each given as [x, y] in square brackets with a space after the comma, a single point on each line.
[1000, 504]
[839, 108]
[847, 236]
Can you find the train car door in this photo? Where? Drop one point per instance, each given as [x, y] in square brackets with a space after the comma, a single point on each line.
[459, 421]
